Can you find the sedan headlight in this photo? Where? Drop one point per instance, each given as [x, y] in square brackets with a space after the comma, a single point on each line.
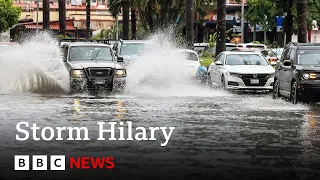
[234, 74]
[272, 75]
[77, 73]
[121, 73]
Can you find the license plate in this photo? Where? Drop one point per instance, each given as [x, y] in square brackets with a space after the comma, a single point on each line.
[99, 82]
[254, 81]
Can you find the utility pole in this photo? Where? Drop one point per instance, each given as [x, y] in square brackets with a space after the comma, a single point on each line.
[37, 18]
[302, 6]
[88, 18]
[221, 26]
[242, 22]
[62, 17]
[46, 14]
[190, 23]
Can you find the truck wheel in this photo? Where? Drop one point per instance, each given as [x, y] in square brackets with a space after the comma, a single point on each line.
[294, 96]
[276, 93]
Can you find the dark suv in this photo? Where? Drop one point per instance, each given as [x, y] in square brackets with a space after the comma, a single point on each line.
[298, 73]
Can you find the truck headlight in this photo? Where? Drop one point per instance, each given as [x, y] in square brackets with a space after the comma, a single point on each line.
[309, 76]
[306, 76]
[77, 73]
[121, 72]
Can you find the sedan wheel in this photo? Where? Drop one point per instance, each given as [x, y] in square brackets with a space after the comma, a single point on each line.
[223, 83]
[209, 81]
[276, 93]
[294, 95]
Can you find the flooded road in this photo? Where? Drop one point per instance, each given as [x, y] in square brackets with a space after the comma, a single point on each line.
[216, 132]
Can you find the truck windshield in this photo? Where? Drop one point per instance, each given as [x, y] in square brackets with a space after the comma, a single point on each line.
[88, 53]
[309, 57]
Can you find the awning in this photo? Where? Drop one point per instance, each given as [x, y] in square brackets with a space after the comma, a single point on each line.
[94, 24]
[52, 26]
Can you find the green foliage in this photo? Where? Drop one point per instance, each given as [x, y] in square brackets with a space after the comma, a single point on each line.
[257, 9]
[9, 15]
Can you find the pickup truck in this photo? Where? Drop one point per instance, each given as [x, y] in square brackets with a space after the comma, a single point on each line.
[93, 67]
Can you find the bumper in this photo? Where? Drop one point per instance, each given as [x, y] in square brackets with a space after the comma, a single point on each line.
[83, 84]
[237, 83]
[309, 90]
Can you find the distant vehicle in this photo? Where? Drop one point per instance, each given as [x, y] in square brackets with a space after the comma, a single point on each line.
[278, 52]
[241, 71]
[271, 56]
[298, 73]
[93, 67]
[201, 47]
[252, 45]
[199, 72]
[129, 50]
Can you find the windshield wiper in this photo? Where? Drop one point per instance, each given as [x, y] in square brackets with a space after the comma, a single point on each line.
[94, 57]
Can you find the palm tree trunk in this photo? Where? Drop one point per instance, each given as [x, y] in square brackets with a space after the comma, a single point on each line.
[62, 17]
[133, 23]
[88, 18]
[289, 22]
[125, 21]
[46, 14]
[221, 26]
[190, 23]
[302, 6]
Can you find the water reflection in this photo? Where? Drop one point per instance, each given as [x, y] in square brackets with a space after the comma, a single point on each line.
[120, 110]
[76, 111]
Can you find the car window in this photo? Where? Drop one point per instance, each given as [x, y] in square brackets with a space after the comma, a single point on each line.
[246, 59]
[308, 57]
[190, 56]
[218, 57]
[285, 54]
[85, 53]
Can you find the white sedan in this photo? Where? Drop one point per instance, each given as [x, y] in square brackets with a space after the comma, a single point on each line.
[241, 71]
[193, 64]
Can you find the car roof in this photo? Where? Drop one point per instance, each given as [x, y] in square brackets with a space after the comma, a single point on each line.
[240, 52]
[186, 50]
[136, 41]
[86, 44]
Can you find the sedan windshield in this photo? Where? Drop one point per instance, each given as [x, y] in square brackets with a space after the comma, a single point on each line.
[132, 49]
[87, 53]
[309, 57]
[246, 59]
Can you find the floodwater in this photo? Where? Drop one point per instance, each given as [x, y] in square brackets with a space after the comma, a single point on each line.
[217, 133]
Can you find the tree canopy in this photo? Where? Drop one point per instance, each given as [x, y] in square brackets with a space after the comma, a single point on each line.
[9, 15]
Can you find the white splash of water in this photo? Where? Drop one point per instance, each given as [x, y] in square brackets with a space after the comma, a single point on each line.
[34, 66]
[161, 71]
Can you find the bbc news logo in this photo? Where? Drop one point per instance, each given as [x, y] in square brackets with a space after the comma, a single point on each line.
[58, 162]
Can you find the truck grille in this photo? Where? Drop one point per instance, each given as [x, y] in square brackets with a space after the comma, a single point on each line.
[100, 72]
[263, 78]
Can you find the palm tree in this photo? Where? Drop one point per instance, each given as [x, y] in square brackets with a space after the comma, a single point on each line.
[221, 26]
[115, 8]
[302, 7]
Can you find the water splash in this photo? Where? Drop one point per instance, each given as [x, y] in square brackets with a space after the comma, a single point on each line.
[161, 71]
[34, 66]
